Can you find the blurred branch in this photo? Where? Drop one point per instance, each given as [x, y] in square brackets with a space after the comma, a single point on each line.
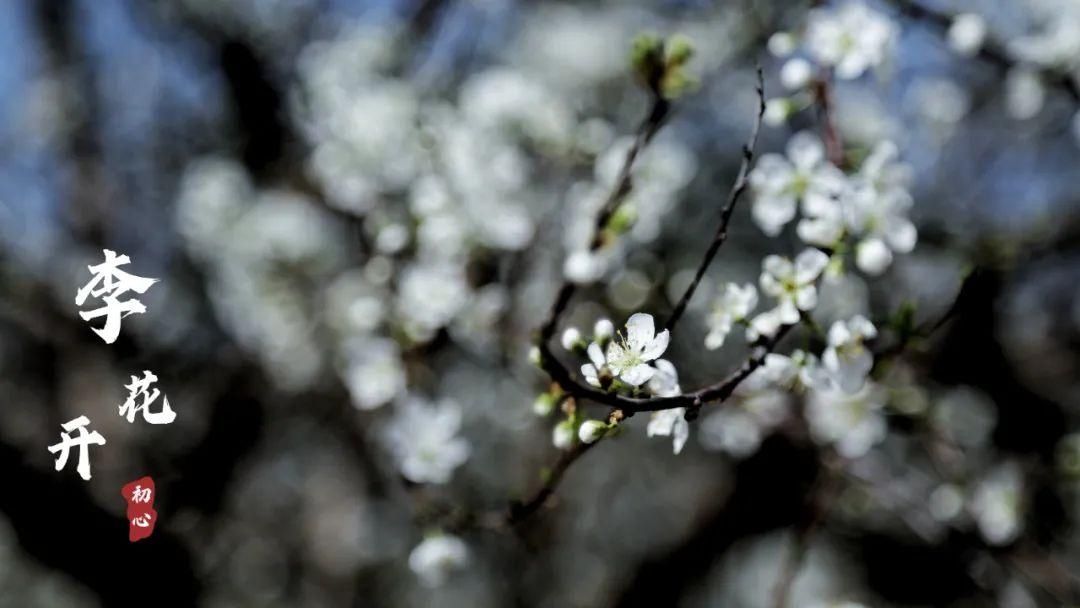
[737, 189]
[991, 51]
[520, 511]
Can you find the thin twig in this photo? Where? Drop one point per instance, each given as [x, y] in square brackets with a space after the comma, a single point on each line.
[737, 189]
[520, 511]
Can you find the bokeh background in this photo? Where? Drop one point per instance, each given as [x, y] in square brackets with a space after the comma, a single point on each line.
[350, 204]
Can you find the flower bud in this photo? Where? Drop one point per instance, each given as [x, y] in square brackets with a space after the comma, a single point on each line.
[534, 355]
[544, 404]
[679, 50]
[571, 339]
[603, 330]
[591, 430]
[562, 436]
[623, 219]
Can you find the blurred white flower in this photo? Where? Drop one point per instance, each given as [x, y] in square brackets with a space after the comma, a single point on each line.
[733, 306]
[765, 324]
[423, 439]
[966, 34]
[793, 284]
[778, 183]
[732, 431]
[591, 430]
[946, 502]
[853, 422]
[777, 111]
[584, 266]
[996, 504]
[373, 374]
[603, 330]
[670, 423]
[852, 38]
[796, 73]
[570, 338]
[628, 356]
[429, 296]
[436, 557]
[665, 382]
[847, 359]
[1025, 93]
[563, 435]
[781, 44]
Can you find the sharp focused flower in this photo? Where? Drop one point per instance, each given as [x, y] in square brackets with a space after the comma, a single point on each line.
[779, 183]
[628, 357]
[793, 283]
[734, 305]
[847, 359]
[851, 38]
[436, 557]
[423, 439]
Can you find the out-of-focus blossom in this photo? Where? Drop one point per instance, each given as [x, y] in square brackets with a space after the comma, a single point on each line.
[563, 435]
[428, 297]
[424, 440]
[852, 38]
[847, 359]
[603, 330]
[734, 306]
[793, 284]
[997, 502]
[571, 338]
[437, 557]
[373, 372]
[591, 430]
[796, 73]
[671, 423]
[1025, 93]
[967, 33]
[852, 422]
[778, 183]
[782, 44]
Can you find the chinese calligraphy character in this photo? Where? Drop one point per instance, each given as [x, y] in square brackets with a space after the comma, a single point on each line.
[82, 440]
[109, 283]
[139, 388]
[141, 515]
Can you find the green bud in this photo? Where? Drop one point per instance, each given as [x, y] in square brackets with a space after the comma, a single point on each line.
[679, 49]
[622, 219]
[647, 58]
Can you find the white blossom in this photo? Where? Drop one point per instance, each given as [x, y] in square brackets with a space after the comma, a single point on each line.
[603, 330]
[436, 557]
[373, 373]
[779, 182]
[628, 356]
[584, 266]
[423, 439]
[563, 435]
[966, 34]
[852, 38]
[734, 306]
[996, 504]
[847, 359]
[1025, 93]
[591, 430]
[592, 371]
[877, 207]
[665, 382]
[853, 422]
[781, 44]
[570, 338]
[792, 284]
[796, 73]
[670, 423]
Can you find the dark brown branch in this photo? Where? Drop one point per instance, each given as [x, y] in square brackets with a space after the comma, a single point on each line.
[624, 184]
[990, 52]
[737, 189]
[520, 511]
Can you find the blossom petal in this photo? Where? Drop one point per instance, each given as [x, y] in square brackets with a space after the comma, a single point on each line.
[591, 376]
[595, 355]
[809, 264]
[637, 375]
[656, 346]
[639, 331]
[805, 150]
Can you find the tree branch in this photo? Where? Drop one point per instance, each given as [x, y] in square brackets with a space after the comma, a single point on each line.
[741, 181]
